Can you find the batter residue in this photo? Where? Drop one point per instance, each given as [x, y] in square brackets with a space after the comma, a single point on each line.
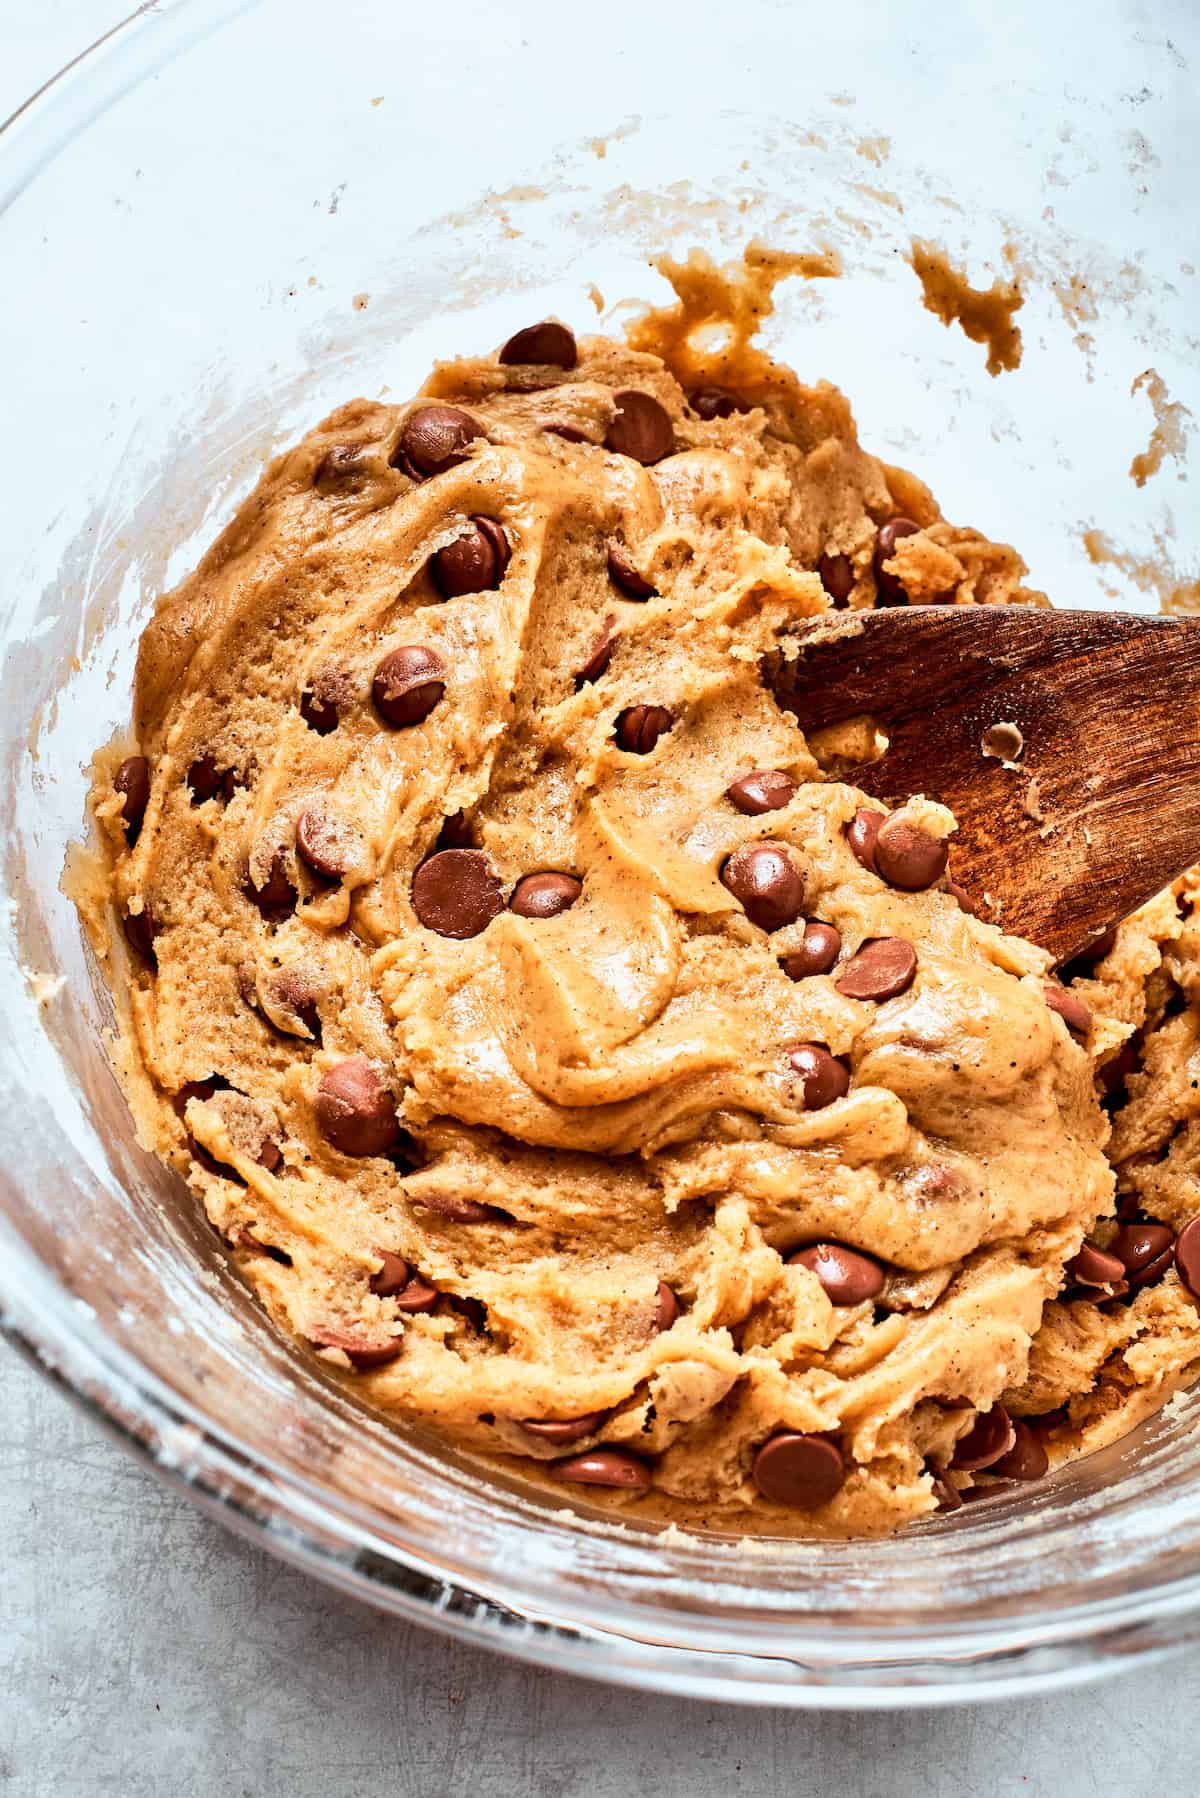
[985, 313]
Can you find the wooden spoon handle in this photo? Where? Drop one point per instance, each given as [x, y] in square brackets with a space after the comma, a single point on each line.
[1102, 807]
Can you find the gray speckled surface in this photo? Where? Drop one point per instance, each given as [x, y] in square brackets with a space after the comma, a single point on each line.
[145, 1652]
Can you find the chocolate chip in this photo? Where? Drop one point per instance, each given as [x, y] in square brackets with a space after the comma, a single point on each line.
[474, 562]
[296, 991]
[1025, 1460]
[1187, 1256]
[817, 953]
[798, 1470]
[321, 840]
[604, 1467]
[641, 428]
[132, 782]
[713, 402]
[990, 1436]
[640, 726]
[210, 1164]
[666, 1307]
[208, 781]
[1092, 1267]
[862, 832]
[1073, 1012]
[418, 1296]
[456, 894]
[765, 879]
[463, 1211]
[355, 1109]
[568, 433]
[891, 587]
[837, 577]
[203, 779]
[762, 790]
[623, 574]
[547, 344]
[823, 1077]
[932, 1183]
[884, 967]
[1129, 1207]
[320, 715]
[270, 1156]
[1145, 1251]
[408, 683]
[392, 1276]
[848, 1277]
[362, 1351]
[908, 857]
[435, 438]
[960, 897]
[544, 895]
[948, 1496]
[277, 894]
[564, 1429]
[342, 464]
[141, 928]
[597, 663]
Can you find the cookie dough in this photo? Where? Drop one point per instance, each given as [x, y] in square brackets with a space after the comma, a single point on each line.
[567, 1056]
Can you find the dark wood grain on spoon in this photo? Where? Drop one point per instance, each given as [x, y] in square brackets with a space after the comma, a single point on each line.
[1102, 809]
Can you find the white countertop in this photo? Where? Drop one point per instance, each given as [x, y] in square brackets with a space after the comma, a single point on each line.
[145, 1653]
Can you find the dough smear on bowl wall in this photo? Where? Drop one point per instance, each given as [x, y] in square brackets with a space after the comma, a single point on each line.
[565, 1053]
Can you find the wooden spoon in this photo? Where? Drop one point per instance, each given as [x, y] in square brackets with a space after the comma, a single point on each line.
[1084, 807]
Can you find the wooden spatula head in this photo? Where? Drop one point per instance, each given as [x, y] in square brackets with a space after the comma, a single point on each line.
[1095, 806]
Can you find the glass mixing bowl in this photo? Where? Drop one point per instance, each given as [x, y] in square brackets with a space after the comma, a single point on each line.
[226, 219]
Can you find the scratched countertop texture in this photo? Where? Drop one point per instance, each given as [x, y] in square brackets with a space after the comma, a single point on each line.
[145, 1653]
